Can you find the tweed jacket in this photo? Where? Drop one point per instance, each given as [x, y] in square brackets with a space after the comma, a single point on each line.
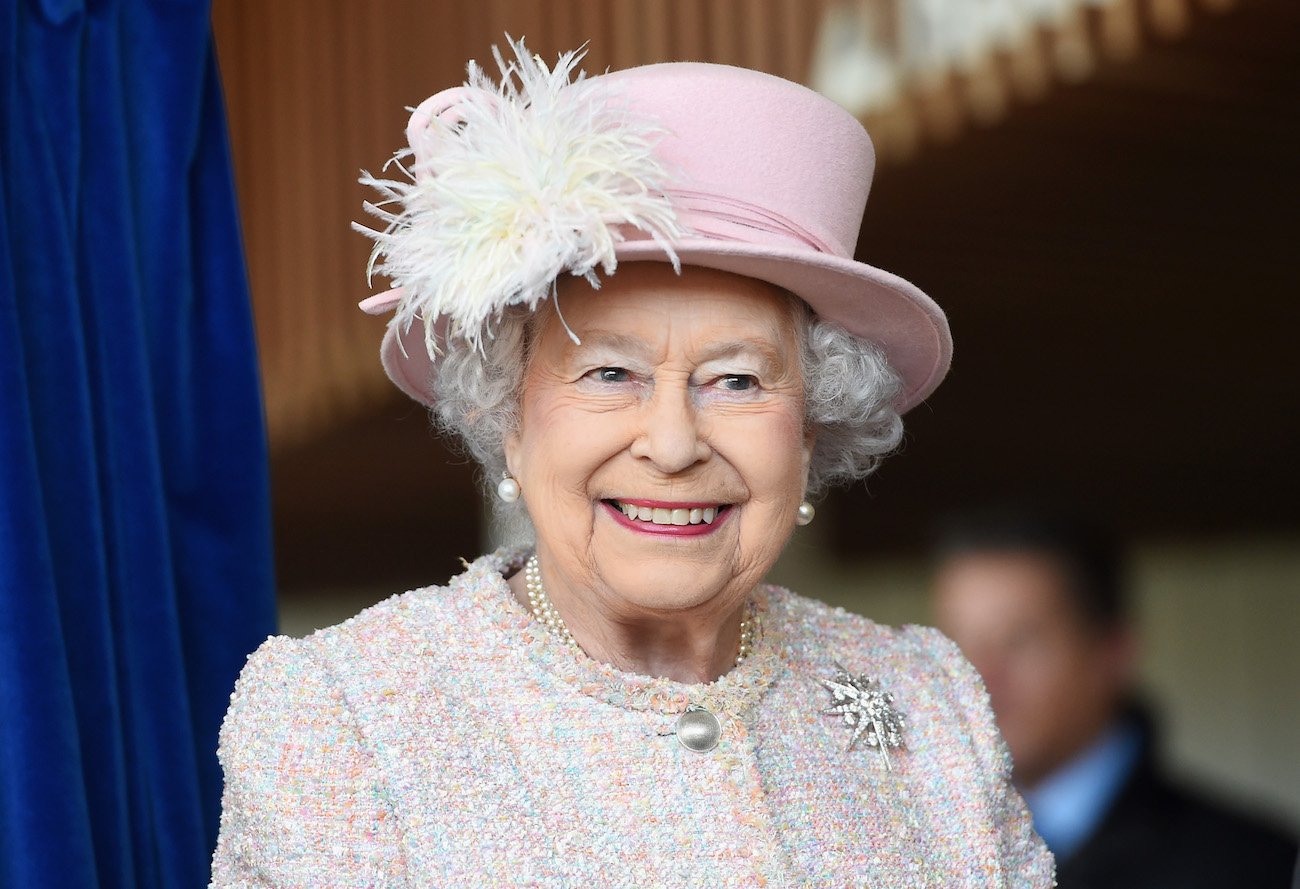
[444, 738]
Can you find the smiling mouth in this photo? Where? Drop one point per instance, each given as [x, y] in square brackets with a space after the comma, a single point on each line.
[669, 514]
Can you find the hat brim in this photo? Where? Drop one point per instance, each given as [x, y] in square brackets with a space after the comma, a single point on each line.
[868, 302]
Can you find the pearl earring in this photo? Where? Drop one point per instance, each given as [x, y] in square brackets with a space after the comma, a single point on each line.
[805, 513]
[508, 488]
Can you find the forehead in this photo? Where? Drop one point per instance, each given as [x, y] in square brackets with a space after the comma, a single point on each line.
[1002, 587]
[647, 304]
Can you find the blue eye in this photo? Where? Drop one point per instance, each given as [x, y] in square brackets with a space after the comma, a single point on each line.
[611, 374]
[737, 382]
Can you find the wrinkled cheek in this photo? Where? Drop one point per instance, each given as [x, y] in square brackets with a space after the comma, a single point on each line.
[789, 473]
[764, 531]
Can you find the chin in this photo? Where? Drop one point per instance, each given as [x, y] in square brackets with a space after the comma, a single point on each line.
[667, 584]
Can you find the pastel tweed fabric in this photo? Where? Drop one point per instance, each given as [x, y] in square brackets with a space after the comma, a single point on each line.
[444, 738]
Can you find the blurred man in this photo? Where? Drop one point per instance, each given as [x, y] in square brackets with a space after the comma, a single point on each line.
[1036, 601]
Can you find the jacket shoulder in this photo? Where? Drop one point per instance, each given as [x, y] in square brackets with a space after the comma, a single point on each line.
[302, 802]
[912, 650]
[444, 617]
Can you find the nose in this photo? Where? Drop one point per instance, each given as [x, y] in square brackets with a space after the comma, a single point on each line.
[669, 437]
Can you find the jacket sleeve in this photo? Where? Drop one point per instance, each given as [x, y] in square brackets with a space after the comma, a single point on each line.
[1023, 859]
[304, 804]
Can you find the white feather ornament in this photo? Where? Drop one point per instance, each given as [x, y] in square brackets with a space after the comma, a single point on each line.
[513, 184]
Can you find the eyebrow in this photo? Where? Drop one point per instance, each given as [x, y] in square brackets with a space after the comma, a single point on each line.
[638, 348]
[770, 357]
[615, 342]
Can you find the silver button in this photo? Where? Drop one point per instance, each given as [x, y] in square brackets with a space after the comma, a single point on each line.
[698, 729]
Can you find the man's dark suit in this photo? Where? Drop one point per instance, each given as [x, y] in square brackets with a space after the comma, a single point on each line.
[1158, 835]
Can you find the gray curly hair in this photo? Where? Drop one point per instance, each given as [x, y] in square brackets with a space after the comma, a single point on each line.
[849, 392]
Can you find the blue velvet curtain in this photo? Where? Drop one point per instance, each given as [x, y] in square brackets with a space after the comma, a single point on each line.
[135, 569]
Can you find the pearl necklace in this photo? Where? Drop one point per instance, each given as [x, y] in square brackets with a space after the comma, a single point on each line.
[546, 614]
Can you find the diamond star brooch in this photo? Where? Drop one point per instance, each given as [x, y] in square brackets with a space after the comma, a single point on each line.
[867, 709]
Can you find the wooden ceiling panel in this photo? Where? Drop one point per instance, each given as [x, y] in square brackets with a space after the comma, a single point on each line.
[1119, 268]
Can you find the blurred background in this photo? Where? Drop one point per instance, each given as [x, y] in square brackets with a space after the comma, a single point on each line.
[1102, 196]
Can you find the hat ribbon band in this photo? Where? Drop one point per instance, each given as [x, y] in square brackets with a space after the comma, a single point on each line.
[725, 218]
[710, 216]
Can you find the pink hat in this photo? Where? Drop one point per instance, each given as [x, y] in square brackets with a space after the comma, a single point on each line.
[766, 179]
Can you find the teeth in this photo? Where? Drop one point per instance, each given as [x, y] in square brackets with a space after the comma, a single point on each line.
[660, 516]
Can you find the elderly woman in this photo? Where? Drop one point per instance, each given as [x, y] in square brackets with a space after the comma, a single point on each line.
[624, 701]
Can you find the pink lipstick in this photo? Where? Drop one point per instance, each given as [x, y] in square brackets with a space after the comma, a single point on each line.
[668, 518]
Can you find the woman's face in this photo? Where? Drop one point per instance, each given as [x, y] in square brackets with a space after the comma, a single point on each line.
[663, 459]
